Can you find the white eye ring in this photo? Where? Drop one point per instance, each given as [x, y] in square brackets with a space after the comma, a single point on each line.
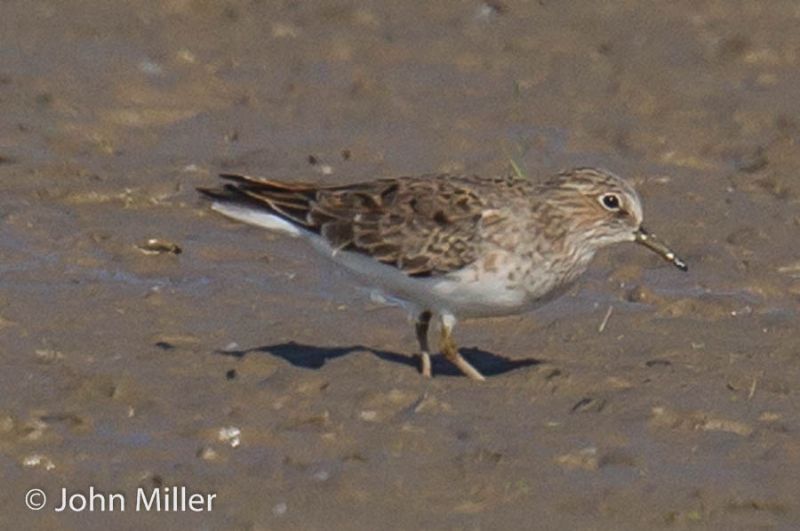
[611, 202]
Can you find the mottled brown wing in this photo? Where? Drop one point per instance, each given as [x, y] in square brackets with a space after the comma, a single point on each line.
[425, 226]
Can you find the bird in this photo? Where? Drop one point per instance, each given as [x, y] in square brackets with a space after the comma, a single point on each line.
[448, 247]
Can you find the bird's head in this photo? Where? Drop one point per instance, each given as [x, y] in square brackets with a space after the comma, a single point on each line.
[603, 209]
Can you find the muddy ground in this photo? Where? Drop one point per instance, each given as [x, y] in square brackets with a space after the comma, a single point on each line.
[244, 367]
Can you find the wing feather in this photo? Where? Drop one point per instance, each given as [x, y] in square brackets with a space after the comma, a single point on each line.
[425, 226]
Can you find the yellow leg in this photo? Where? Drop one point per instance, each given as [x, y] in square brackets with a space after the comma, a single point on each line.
[450, 350]
[423, 322]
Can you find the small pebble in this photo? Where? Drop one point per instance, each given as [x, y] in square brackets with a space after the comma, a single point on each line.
[48, 355]
[38, 460]
[155, 246]
[585, 458]
[280, 509]
[230, 435]
[207, 453]
[368, 415]
[150, 68]
[322, 475]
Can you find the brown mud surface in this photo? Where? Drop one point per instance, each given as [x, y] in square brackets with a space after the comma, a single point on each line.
[243, 366]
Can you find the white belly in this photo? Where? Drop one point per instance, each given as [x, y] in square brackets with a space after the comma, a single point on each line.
[475, 293]
[471, 292]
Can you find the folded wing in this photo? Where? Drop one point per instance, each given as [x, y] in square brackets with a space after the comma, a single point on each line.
[425, 226]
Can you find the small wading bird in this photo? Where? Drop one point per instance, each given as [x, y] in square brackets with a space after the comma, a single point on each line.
[448, 246]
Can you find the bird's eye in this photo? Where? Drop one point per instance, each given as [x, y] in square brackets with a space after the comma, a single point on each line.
[610, 201]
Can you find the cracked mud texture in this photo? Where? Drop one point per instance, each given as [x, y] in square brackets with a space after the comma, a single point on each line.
[147, 342]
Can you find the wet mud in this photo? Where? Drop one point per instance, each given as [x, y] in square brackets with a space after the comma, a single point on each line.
[148, 343]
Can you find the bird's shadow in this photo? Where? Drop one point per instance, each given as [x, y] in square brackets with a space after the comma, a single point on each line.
[314, 357]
